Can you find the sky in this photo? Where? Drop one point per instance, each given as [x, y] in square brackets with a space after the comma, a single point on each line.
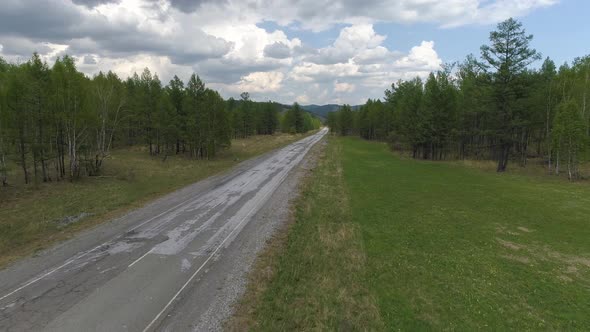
[308, 51]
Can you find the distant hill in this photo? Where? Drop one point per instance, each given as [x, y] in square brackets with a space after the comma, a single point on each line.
[323, 110]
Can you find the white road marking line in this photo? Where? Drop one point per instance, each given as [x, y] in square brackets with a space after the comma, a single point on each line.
[140, 258]
[201, 267]
[248, 215]
[71, 260]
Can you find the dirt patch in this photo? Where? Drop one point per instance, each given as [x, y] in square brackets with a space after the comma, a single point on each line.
[548, 254]
[579, 260]
[524, 229]
[520, 259]
[72, 219]
[501, 229]
[509, 245]
[569, 267]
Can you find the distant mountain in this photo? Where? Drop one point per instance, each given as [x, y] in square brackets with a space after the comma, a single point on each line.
[323, 110]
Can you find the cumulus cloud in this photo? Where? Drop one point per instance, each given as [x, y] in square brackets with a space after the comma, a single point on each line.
[261, 82]
[420, 58]
[189, 6]
[277, 50]
[343, 87]
[20, 46]
[93, 3]
[351, 40]
[231, 70]
[320, 14]
[222, 41]
[89, 60]
[117, 29]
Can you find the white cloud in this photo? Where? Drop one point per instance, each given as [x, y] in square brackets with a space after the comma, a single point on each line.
[420, 58]
[221, 41]
[261, 82]
[320, 14]
[488, 12]
[303, 99]
[311, 72]
[375, 55]
[343, 87]
[352, 40]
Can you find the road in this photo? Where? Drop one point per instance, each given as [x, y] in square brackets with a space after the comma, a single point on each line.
[175, 264]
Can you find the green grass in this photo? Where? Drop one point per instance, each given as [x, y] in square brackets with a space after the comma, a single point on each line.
[444, 247]
[312, 278]
[30, 215]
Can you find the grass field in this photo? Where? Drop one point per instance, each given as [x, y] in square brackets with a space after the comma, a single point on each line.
[383, 243]
[35, 216]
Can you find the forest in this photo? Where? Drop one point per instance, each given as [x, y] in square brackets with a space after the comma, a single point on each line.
[58, 124]
[495, 107]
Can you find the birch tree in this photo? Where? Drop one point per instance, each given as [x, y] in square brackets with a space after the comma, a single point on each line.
[569, 137]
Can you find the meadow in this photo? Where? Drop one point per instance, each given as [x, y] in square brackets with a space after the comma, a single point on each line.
[380, 242]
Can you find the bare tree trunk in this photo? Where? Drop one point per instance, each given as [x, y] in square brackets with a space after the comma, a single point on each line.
[584, 103]
[503, 157]
[41, 143]
[23, 158]
[3, 170]
[158, 142]
[569, 161]
[548, 135]
[3, 173]
[557, 164]
[104, 141]
[71, 155]
[525, 149]
[36, 177]
[73, 138]
[61, 154]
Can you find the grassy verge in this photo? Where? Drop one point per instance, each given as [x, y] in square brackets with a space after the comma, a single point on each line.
[34, 217]
[443, 247]
[312, 277]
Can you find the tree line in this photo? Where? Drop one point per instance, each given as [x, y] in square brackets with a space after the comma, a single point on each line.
[296, 120]
[493, 107]
[56, 123]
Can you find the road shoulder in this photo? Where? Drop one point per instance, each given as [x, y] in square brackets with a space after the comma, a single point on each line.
[311, 274]
[225, 285]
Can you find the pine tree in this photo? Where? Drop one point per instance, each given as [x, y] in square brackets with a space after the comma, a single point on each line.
[508, 55]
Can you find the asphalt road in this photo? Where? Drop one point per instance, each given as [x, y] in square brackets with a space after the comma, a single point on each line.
[175, 264]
